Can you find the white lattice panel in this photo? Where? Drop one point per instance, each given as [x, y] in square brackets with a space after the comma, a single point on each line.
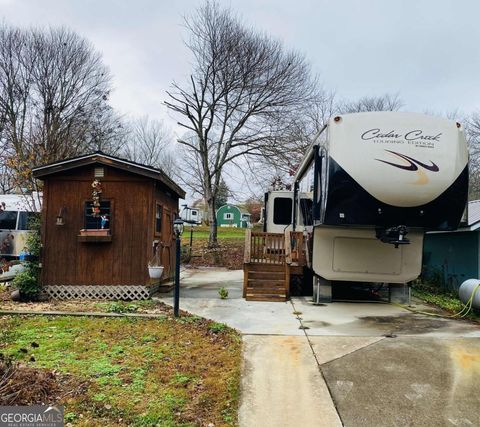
[119, 292]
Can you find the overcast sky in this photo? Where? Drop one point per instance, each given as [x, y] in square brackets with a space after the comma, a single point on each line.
[427, 51]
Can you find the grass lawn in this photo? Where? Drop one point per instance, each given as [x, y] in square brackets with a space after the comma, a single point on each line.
[448, 301]
[202, 232]
[138, 372]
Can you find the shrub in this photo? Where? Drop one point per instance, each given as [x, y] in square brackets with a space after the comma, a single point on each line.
[27, 282]
[217, 327]
[223, 293]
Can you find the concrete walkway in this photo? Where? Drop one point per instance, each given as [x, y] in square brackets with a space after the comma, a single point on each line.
[281, 386]
[332, 365]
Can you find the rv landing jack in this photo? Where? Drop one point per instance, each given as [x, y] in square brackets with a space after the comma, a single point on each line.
[393, 235]
[322, 290]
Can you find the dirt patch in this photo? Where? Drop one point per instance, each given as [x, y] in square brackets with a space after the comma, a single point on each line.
[25, 385]
[229, 254]
[90, 306]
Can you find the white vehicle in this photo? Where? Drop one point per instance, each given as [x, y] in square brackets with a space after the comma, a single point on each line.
[15, 214]
[192, 216]
[280, 215]
[381, 179]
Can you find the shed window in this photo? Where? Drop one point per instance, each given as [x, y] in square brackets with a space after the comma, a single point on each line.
[194, 213]
[158, 219]
[228, 215]
[8, 220]
[104, 217]
[282, 211]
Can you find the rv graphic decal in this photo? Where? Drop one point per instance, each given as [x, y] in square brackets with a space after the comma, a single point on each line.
[412, 163]
[413, 135]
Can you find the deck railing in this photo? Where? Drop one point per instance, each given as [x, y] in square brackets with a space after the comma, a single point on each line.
[265, 248]
[298, 248]
[275, 248]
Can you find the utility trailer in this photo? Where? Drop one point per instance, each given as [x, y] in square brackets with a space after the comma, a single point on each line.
[380, 180]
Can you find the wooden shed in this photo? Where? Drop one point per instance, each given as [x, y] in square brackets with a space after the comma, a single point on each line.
[104, 219]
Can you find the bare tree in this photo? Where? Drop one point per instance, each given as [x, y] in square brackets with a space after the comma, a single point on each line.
[278, 164]
[472, 127]
[149, 142]
[54, 90]
[387, 102]
[245, 89]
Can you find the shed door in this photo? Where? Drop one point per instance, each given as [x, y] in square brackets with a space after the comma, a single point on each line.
[168, 241]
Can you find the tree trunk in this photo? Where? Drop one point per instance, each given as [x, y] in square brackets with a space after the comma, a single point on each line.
[212, 218]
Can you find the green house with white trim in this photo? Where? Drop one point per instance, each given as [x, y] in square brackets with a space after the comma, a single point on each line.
[231, 216]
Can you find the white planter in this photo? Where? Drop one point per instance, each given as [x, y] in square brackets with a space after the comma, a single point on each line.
[12, 272]
[155, 272]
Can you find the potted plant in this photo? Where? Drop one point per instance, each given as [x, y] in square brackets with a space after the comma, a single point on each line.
[155, 269]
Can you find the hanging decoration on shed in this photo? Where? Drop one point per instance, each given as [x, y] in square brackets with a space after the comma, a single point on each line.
[97, 191]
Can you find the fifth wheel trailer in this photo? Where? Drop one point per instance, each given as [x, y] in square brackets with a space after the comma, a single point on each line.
[380, 180]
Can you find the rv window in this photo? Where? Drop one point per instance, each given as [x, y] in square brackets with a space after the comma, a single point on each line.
[24, 220]
[94, 222]
[282, 211]
[306, 207]
[8, 220]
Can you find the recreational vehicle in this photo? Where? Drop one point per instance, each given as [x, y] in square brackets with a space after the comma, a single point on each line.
[192, 216]
[15, 214]
[380, 180]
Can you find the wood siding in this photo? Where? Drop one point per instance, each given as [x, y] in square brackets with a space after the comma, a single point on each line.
[123, 261]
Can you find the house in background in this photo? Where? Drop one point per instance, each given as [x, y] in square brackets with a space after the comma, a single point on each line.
[450, 258]
[231, 216]
[103, 220]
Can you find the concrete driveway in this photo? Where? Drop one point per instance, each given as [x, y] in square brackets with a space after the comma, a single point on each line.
[333, 365]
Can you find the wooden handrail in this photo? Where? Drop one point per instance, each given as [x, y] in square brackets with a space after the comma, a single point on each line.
[288, 247]
[248, 245]
[298, 250]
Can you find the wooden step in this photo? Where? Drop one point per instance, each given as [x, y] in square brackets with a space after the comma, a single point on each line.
[273, 275]
[267, 282]
[253, 266]
[266, 291]
[266, 298]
